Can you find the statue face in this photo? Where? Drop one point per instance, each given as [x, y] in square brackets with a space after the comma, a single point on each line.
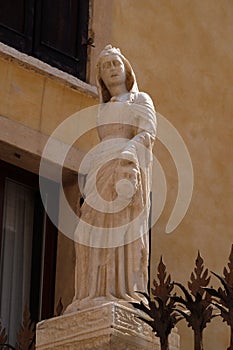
[112, 70]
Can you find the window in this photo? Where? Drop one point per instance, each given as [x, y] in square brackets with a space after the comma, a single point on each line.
[28, 250]
[54, 31]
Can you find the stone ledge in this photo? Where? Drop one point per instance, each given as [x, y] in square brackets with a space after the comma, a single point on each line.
[109, 326]
[32, 63]
[23, 147]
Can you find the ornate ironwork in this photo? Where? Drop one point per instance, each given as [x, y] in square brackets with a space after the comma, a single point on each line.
[3, 335]
[161, 307]
[26, 335]
[222, 298]
[3, 339]
[196, 307]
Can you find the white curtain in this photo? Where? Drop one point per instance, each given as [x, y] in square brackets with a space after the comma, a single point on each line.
[16, 251]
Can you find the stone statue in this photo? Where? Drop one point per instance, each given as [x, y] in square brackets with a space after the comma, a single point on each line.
[113, 264]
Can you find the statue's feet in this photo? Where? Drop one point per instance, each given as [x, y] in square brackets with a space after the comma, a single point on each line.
[90, 302]
[73, 307]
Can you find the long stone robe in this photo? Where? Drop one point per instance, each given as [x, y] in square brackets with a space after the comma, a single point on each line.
[112, 258]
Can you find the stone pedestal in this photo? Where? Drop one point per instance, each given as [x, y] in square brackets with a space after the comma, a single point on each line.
[110, 326]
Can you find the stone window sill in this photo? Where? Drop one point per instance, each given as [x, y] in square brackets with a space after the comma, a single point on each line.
[32, 63]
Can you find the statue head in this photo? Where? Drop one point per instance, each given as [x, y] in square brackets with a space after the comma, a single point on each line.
[130, 80]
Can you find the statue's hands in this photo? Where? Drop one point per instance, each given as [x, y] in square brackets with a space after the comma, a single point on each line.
[126, 178]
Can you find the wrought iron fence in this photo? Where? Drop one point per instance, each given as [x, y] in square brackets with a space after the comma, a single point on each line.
[7, 346]
[197, 304]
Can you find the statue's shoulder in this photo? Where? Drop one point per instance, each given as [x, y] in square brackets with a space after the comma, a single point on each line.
[143, 98]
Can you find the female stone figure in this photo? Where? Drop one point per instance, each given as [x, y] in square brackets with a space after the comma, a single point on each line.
[113, 263]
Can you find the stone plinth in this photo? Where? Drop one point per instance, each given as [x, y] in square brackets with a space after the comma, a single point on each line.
[110, 326]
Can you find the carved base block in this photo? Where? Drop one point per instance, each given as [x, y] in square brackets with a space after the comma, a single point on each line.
[110, 326]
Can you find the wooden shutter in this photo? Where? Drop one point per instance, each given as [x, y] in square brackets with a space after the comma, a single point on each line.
[61, 28]
[16, 24]
[55, 31]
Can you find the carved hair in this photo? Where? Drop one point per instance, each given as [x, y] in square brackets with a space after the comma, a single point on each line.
[130, 80]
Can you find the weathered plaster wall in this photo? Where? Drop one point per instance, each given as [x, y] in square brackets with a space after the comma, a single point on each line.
[35, 100]
[182, 55]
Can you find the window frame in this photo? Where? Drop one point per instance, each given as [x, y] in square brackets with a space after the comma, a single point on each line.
[48, 256]
[30, 41]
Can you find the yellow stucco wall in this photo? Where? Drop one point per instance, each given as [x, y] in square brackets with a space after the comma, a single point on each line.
[182, 54]
[35, 100]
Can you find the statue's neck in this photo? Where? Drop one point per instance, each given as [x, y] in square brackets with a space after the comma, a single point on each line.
[118, 90]
[121, 98]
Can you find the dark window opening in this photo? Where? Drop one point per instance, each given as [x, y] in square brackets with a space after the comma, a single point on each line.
[52, 30]
[28, 250]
